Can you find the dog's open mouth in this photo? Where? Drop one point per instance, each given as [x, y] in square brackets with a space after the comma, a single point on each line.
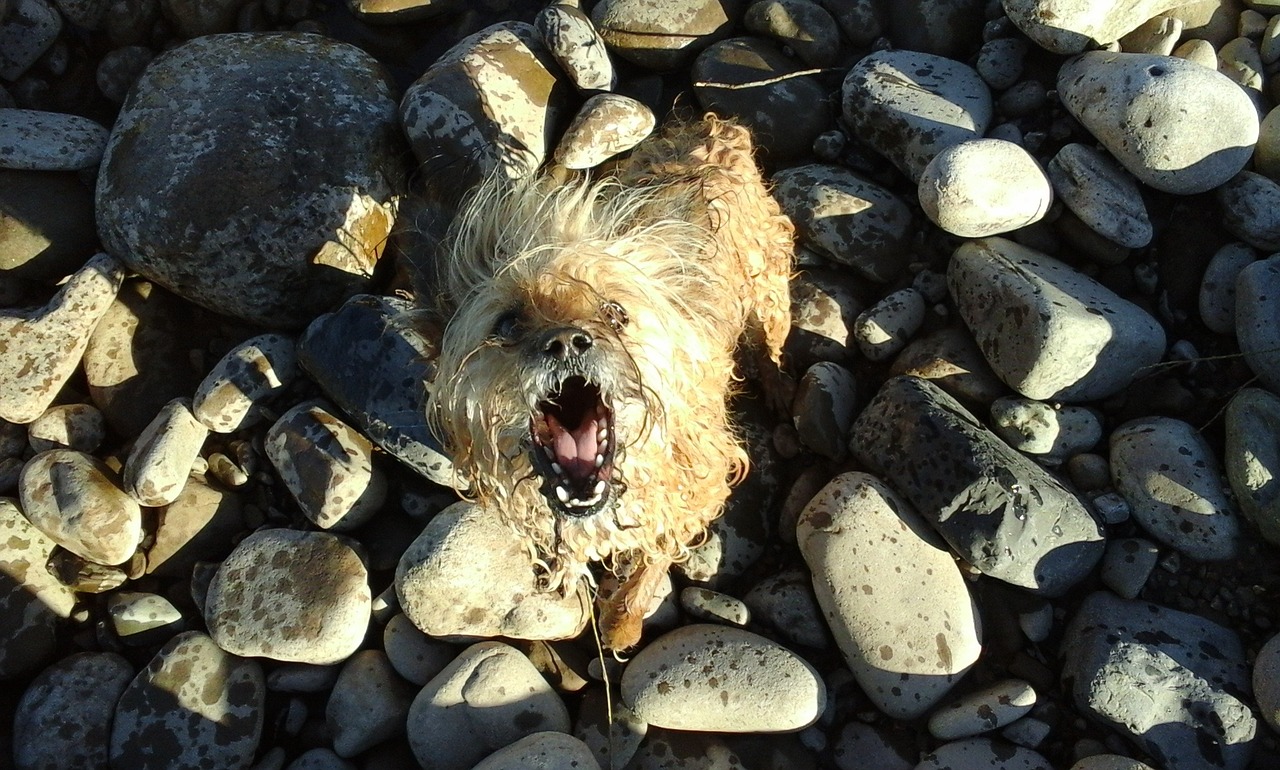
[572, 432]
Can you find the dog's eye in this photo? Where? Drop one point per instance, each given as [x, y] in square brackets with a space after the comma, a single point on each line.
[507, 326]
[615, 315]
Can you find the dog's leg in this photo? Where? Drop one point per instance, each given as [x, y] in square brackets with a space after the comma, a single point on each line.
[622, 616]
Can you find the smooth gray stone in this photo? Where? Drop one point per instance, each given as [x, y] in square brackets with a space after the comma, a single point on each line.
[64, 716]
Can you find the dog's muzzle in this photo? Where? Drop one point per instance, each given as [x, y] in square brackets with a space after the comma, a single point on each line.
[572, 429]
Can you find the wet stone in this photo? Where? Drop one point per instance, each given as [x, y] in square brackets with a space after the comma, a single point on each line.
[378, 383]
[290, 596]
[64, 716]
[368, 703]
[32, 601]
[74, 499]
[1168, 474]
[846, 218]
[192, 706]
[327, 466]
[1000, 511]
[572, 39]
[43, 346]
[72, 426]
[1170, 681]
[605, 126]
[489, 697]
[722, 679]
[891, 594]
[910, 106]
[157, 468]
[231, 396]
[242, 247]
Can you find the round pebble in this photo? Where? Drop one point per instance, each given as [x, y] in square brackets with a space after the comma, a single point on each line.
[416, 657]
[786, 602]
[1167, 473]
[886, 327]
[1039, 429]
[1217, 300]
[804, 27]
[714, 607]
[74, 499]
[982, 187]
[989, 708]
[1110, 762]
[290, 596]
[368, 704]
[894, 601]
[64, 716]
[1175, 125]
[489, 697]
[1102, 194]
[1000, 61]
[1266, 682]
[722, 679]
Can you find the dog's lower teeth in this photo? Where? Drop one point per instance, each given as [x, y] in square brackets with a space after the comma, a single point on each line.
[600, 487]
[563, 495]
[549, 452]
[599, 461]
[556, 467]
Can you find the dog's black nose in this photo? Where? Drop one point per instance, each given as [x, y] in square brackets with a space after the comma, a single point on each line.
[566, 342]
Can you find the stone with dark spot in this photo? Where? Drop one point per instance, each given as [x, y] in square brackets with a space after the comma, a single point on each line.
[606, 125]
[982, 753]
[910, 106]
[983, 710]
[489, 697]
[32, 140]
[64, 716]
[823, 409]
[193, 707]
[1071, 27]
[572, 39]
[1252, 457]
[1001, 512]
[785, 601]
[32, 601]
[1174, 683]
[891, 594]
[293, 596]
[254, 174]
[663, 34]
[76, 500]
[542, 751]
[722, 679]
[749, 79]
[161, 459]
[847, 219]
[1257, 308]
[368, 703]
[232, 394]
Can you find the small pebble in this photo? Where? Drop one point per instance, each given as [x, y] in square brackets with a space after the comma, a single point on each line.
[714, 607]
[231, 396]
[984, 710]
[73, 426]
[1127, 564]
[886, 327]
[141, 618]
[156, 470]
[1041, 430]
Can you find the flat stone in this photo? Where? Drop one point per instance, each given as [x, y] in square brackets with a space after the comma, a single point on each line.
[162, 457]
[663, 34]
[1102, 194]
[469, 574]
[896, 604]
[1049, 331]
[41, 347]
[327, 466]
[1172, 682]
[74, 499]
[231, 395]
[1252, 457]
[489, 697]
[1173, 124]
[950, 359]
[31, 140]
[285, 237]
[910, 106]
[290, 596]
[1001, 512]
[192, 706]
[982, 187]
[368, 704]
[1168, 474]
[64, 716]
[606, 125]
[722, 679]
[847, 219]
[1257, 307]
[140, 618]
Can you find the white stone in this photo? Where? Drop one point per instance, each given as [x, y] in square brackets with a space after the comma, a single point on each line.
[984, 187]
[1071, 26]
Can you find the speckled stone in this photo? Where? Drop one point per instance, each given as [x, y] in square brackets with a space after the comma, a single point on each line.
[1168, 474]
[31, 28]
[1173, 124]
[1001, 512]
[31, 600]
[714, 607]
[1217, 299]
[1040, 429]
[368, 704]
[980, 754]
[983, 710]
[487, 698]
[892, 596]
[1173, 682]
[609, 728]
[70, 426]
[1251, 209]
[1102, 194]
[467, 575]
[824, 307]
[722, 679]
[542, 751]
[64, 716]
[823, 409]
[1049, 331]
[327, 466]
[49, 141]
[910, 106]
[378, 383]
[139, 618]
[1257, 308]
[663, 34]
[1071, 26]
[42, 346]
[162, 457]
[886, 327]
[846, 218]
[803, 26]
[318, 758]
[74, 499]
[193, 706]
[572, 39]
[786, 602]
[606, 125]
[280, 239]
[982, 187]
[950, 359]
[290, 596]
[1252, 457]
[486, 105]
[415, 656]
[230, 396]
[200, 525]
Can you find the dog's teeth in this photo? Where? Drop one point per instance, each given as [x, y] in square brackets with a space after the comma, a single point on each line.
[599, 461]
[600, 487]
[556, 467]
[603, 445]
[549, 452]
[563, 495]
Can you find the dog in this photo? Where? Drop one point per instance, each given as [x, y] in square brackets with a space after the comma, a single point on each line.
[588, 353]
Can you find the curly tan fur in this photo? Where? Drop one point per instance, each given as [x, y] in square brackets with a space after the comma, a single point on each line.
[665, 266]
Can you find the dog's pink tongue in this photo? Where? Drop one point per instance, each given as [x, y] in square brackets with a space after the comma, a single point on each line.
[575, 450]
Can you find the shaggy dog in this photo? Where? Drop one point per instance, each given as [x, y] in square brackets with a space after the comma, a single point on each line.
[589, 352]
